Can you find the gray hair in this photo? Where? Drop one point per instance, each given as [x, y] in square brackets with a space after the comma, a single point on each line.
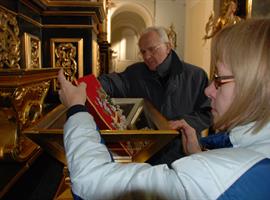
[159, 30]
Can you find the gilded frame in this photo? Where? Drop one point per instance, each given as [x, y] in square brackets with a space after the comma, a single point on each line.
[96, 68]
[32, 51]
[136, 109]
[67, 53]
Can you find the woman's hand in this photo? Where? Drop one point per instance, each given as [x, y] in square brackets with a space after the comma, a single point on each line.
[69, 94]
[189, 137]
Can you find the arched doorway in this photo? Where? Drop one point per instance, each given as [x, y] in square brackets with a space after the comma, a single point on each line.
[127, 21]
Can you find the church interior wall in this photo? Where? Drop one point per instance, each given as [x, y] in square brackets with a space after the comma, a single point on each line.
[188, 18]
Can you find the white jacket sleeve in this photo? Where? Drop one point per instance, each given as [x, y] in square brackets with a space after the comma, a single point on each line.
[95, 176]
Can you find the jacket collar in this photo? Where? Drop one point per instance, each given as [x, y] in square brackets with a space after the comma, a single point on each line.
[164, 68]
[176, 66]
[172, 64]
[242, 136]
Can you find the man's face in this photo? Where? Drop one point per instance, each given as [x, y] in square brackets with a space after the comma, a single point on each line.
[153, 50]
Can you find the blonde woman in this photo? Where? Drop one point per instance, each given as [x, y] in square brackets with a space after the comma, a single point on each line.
[239, 166]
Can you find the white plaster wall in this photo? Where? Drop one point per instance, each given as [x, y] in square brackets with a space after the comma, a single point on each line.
[172, 12]
[134, 16]
[143, 7]
[197, 51]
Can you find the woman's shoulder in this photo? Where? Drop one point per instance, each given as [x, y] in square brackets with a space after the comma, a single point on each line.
[219, 160]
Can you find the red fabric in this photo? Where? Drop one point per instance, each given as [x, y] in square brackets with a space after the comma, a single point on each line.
[96, 103]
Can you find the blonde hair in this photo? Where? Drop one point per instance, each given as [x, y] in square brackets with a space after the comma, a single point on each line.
[245, 48]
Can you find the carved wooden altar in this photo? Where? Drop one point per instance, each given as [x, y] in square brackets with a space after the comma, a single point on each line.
[27, 75]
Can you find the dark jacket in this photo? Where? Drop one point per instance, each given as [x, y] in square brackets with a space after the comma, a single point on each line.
[179, 96]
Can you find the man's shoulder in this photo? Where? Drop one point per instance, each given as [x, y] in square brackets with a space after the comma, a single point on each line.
[191, 67]
[194, 71]
[132, 71]
[138, 67]
[188, 67]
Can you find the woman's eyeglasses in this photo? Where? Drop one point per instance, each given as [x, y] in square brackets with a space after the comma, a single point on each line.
[221, 80]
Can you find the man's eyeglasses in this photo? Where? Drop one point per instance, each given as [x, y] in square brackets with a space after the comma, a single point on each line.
[221, 80]
[152, 50]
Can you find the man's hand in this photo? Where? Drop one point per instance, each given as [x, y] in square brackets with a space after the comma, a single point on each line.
[69, 94]
[189, 136]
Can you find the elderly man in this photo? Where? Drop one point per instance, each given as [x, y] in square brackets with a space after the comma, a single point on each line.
[174, 87]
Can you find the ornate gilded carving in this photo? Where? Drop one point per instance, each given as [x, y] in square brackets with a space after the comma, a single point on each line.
[67, 53]
[9, 41]
[22, 95]
[28, 102]
[66, 58]
[172, 36]
[13, 146]
[228, 17]
[32, 51]
[20, 107]
[96, 68]
[35, 56]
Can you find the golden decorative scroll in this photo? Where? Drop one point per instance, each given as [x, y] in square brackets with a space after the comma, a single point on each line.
[20, 107]
[9, 41]
[22, 94]
[66, 58]
[67, 53]
[32, 51]
[96, 68]
[28, 102]
[228, 17]
[172, 36]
